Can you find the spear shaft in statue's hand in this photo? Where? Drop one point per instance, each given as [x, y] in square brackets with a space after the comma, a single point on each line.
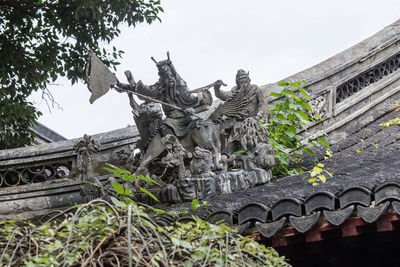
[156, 101]
[198, 90]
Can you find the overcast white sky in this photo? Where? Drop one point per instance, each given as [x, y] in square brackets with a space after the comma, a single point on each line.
[211, 39]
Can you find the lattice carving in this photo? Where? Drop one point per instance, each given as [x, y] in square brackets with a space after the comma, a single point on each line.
[370, 76]
[35, 174]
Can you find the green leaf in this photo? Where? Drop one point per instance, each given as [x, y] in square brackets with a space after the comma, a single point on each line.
[181, 243]
[118, 203]
[147, 192]
[116, 169]
[289, 93]
[291, 117]
[303, 115]
[185, 244]
[147, 179]
[198, 256]
[306, 106]
[304, 93]
[130, 201]
[290, 134]
[274, 94]
[195, 203]
[119, 188]
[322, 141]
[322, 178]
[315, 171]
[283, 83]
[292, 129]
[109, 170]
[158, 211]
[309, 151]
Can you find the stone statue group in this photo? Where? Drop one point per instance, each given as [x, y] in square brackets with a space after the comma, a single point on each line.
[198, 156]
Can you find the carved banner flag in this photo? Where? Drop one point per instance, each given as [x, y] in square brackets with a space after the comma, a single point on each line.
[99, 77]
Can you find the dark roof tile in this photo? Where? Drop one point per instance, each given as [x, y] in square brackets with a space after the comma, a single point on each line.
[387, 191]
[320, 201]
[221, 216]
[396, 206]
[371, 214]
[355, 195]
[243, 228]
[285, 207]
[304, 223]
[270, 229]
[253, 211]
[337, 217]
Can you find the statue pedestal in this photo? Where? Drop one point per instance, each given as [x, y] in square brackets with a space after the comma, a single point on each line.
[211, 184]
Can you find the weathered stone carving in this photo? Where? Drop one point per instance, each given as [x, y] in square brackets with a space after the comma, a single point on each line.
[238, 115]
[246, 135]
[318, 106]
[197, 154]
[243, 101]
[128, 158]
[176, 155]
[91, 187]
[201, 163]
[180, 107]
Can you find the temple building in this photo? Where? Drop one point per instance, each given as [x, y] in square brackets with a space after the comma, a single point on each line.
[353, 219]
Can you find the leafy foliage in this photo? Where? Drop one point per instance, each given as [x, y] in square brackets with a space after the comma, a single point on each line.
[317, 175]
[290, 113]
[41, 40]
[98, 233]
[125, 191]
[16, 116]
[395, 121]
[196, 204]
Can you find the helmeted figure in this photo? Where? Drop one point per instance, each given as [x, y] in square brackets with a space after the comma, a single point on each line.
[239, 114]
[179, 106]
[172, 89]
[243, 101]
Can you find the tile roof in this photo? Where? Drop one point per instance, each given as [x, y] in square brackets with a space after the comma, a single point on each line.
[365, 187]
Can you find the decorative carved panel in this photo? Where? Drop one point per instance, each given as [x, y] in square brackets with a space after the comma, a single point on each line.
[35, 174]
[370, 76]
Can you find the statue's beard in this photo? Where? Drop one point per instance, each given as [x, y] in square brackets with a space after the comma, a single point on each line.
[242, 82]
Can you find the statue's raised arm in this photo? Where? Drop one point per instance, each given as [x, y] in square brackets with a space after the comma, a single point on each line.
[243, 101]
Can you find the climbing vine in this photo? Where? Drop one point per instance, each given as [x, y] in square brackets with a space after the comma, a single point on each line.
[289, 114]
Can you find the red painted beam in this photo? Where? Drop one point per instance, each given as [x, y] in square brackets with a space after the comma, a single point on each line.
[351, 227]
[279, 242]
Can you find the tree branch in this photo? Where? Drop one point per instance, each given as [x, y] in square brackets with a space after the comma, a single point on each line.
[20, 7]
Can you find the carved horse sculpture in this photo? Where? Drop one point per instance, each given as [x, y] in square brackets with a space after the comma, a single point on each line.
[147, 121]
[148, 118]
